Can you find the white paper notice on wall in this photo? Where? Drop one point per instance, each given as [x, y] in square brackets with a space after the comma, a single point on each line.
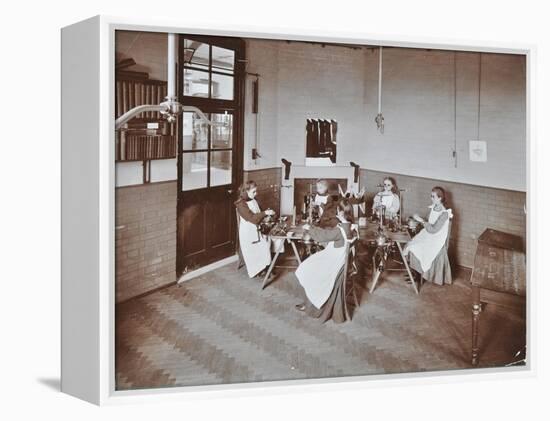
[478, 151]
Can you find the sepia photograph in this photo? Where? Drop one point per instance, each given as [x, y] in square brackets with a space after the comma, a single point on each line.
[290, 209]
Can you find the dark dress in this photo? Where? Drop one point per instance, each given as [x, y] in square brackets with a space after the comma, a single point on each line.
[247, 214]
[330, 209]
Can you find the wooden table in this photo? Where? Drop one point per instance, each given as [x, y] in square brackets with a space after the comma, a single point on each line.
[499, 267]
[368, 235]
[297, 235]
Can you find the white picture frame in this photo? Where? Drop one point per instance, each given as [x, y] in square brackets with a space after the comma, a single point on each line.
[88, 211]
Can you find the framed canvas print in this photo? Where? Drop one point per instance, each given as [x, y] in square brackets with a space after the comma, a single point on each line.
[257, 209]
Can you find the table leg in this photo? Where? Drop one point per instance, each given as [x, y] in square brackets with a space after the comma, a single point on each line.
[264, 284]
[376, 269]
[476, 310]
[375, 277]
[295, 251]
[407, 266]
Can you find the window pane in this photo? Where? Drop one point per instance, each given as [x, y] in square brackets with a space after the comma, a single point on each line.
[195, 132]
[195, 170]
[223, 60]
[222, 136]
[195, 83]
[222, 86]
[220, 168]
[197, 54]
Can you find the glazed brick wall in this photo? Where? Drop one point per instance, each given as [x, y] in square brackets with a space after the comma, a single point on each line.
[475, 208]
[268, 181]
[145, 238]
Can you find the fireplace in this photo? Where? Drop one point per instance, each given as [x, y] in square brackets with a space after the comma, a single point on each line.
[301, 177]
[303, 186]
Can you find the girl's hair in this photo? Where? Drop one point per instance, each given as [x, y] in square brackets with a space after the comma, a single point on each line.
[393, 184]
[440, 193]
[345, 206]
[243, 189]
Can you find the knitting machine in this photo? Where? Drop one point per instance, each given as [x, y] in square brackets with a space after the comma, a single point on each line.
[266, 225]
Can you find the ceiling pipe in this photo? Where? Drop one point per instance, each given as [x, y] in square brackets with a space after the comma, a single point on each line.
[170, 108]
[171, 67]
[379, 119]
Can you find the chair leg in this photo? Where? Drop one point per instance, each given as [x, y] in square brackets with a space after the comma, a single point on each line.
[352, 291]
[356, 301]
[346, 311]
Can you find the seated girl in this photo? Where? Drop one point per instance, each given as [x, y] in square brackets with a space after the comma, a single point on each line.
[428, 249]
[326, 205]
[321, 275]
[255, 247]
[387, 198]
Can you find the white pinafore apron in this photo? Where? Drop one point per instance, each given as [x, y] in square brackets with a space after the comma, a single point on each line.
[254, 246]
[426, 246]
[318, 273]
[320, 201]
[387, 201]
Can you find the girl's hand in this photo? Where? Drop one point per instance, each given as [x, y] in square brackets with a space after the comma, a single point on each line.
[306, 227]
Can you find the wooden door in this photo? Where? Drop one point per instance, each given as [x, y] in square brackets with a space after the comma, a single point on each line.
[211, 76]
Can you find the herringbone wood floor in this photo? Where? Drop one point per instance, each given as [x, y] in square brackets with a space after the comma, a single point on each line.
[222, 328]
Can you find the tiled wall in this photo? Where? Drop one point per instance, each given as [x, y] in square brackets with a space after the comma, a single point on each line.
[145, 238]
[268, 181]
[146, 223]
[474, 207]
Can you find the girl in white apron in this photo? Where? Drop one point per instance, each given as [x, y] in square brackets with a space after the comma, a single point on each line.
[387, 198]
[321, 274]
[427, 250]
[255, 247]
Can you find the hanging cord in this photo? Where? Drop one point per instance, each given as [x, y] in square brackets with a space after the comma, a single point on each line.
[479, 97]
[379, 117]
[380, 82]
[454, 148]
[257, 123]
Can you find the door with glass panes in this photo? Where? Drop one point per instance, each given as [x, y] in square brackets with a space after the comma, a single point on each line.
[211, 77]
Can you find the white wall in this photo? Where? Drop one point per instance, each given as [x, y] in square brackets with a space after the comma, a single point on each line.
[418, 107]
[263, 60]
[300, 80]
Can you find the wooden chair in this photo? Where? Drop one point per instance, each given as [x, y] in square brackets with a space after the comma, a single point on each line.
[350, 264]
[241, 258]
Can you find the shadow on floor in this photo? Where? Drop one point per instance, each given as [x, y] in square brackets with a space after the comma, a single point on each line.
[53, 383]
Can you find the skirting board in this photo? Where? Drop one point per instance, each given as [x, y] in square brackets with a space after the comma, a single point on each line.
[207, 268]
